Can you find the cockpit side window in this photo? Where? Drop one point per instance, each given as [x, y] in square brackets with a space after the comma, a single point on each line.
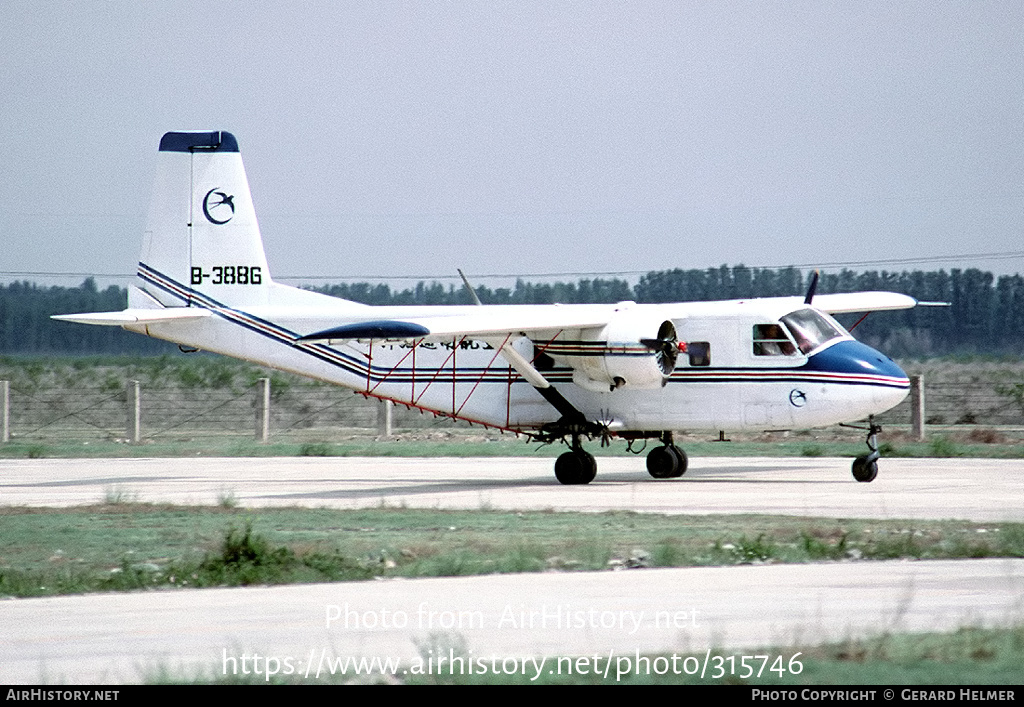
[811, 329]
[771, 340]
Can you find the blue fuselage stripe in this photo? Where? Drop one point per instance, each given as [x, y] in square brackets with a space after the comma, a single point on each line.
[840, 372]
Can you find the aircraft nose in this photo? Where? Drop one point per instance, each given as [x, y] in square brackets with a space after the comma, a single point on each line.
[875, 362]
[855, 363]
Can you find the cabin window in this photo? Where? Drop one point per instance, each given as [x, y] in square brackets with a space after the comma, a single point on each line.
[771, 340]
[700, 353]
[811, 329]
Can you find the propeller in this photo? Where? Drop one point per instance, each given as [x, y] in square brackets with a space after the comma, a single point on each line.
[813, 288]
[665, 347]
[605, 421]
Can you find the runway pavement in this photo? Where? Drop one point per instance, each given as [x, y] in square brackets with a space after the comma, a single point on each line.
[973, 489]
[500, 620]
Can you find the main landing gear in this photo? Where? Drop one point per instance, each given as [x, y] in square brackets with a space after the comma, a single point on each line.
[577, 466]
[865, 467]
[667, 462]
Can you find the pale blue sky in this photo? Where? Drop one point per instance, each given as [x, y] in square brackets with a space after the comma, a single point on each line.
[411, 138]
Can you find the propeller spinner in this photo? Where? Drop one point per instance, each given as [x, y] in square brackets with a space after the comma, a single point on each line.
[665, 347]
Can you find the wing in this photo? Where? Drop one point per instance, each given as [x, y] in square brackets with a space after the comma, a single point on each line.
[490, 322]
[495, 325]
[863, 302]
[498, 321]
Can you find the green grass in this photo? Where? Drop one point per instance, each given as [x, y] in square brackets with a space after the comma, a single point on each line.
[124, 546]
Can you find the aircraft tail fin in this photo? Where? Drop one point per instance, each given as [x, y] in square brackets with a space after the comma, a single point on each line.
[202, 245]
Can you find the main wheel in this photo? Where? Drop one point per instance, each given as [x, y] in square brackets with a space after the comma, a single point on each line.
[863, 470]
[576, 467]
[589, 466]
[683, 461]
[663, 463]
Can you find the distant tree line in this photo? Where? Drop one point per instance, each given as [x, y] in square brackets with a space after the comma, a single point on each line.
[985, 316]
[26, 327]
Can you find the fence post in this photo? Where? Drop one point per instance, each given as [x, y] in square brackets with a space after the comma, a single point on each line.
[384, 418]
[134, 427]
[917, 407]
[5, 412]
[263, 410]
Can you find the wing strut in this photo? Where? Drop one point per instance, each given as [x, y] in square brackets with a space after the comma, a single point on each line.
[570, 414]
[569, 411]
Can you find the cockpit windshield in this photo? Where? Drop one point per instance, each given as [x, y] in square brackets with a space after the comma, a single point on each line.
[811, 329]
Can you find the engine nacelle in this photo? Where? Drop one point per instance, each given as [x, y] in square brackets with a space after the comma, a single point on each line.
[630, 351]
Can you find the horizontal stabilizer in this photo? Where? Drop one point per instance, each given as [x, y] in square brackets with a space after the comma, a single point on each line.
[134, 316]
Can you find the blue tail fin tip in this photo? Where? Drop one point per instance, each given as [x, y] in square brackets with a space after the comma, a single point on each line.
[207, 141]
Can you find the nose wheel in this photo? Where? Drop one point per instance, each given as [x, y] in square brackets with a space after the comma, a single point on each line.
[865, 470]
[865, 467]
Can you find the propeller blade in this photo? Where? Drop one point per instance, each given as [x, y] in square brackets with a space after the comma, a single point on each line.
[813, 288]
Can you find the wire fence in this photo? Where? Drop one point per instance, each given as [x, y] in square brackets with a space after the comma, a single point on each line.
[973, 394]
[179, 414]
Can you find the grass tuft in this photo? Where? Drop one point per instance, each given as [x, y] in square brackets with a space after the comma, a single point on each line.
[943, 447]
[315, 449]
[820, 549]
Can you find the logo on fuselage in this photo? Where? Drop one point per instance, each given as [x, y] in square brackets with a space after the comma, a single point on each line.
[797, 398]
[218, 207]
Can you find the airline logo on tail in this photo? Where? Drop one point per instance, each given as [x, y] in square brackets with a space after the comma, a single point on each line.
[218, 207]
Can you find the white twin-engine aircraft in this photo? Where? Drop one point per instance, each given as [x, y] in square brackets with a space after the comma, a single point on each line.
[553, 372]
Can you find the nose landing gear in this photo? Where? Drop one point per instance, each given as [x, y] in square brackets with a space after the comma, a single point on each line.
[865, 467]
